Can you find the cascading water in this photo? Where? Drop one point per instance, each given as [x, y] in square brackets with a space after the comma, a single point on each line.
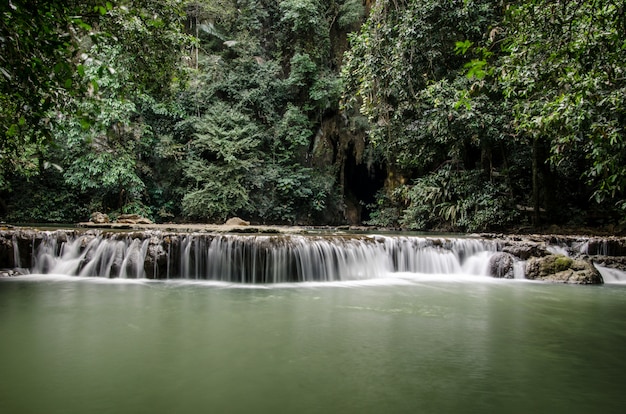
[600, 248]
[610, 275]
[258, 258]
[16, 252]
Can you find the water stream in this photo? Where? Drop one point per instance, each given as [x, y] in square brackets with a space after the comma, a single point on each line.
[262, 259]
[408, 344]
[113, 323]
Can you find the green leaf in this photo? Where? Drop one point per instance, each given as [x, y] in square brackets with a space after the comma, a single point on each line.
[476, 68]
[13, 130]
[85, 123]
[461, 48]
[80, 23]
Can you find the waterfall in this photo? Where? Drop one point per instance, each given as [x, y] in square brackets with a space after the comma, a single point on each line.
[257, 258]
[16, 252]
[610, 275]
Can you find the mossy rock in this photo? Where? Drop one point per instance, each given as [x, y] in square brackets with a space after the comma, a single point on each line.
[561, 263]
[562, 269]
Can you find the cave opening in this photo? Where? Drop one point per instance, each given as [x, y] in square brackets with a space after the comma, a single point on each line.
[362, 181]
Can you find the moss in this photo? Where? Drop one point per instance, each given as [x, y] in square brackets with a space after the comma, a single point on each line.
[562, 263]
[554, 264]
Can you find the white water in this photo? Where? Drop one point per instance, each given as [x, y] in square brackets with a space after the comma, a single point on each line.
[16, 252]
[611, 275]
[265, 259]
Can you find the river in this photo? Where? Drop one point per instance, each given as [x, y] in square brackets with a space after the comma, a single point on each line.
[408, 343]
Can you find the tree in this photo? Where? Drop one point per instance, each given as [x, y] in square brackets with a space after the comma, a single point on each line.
[563, 73]
[46, 48]
[406, 72]
[251, 112]
[223, 159]
[39, 72]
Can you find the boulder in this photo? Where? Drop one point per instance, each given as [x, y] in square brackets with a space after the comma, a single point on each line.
[236, 221]
[526, 250]
[155, 265]
[613, 262]
[99, 218]
[562, 269]
[608, 246]
[132, 219]
[501, 265]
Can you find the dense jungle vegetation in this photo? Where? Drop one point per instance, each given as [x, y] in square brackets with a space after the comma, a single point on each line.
[455, 115]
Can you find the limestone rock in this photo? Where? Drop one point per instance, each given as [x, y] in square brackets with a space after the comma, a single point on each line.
[614, 262]
[562, 269]
[132, 219]
[525, 250]
[99, 218]
[501, 265]
[236, 221]
[607, 246]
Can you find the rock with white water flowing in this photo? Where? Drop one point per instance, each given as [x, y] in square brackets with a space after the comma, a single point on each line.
[247, 258]
[289, 257]
[501, 265]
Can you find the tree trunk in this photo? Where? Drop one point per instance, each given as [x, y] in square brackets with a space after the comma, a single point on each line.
[535, 174]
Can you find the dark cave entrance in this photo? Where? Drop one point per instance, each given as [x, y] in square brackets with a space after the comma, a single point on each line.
[361, 183]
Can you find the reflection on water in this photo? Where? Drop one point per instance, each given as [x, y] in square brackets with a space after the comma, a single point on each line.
[406, 344]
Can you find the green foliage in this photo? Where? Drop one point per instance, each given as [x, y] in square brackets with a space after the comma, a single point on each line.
[292, 136]
[102, 155]
[46, 48]
[306, 29]
[293, 194]
[222, 157]
[408, 73]
[36, 74]
[210, 108]
[303, 70]
[563, 72]
[350, 12]
[249, 123]
[33, 201]
[532, 93]
[404, 74]
[456, 200]
[150, 39]
[386, 212]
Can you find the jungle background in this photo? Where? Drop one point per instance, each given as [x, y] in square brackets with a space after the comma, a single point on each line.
[447, 115]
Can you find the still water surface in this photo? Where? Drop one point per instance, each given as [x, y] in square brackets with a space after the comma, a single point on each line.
[411, 345]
